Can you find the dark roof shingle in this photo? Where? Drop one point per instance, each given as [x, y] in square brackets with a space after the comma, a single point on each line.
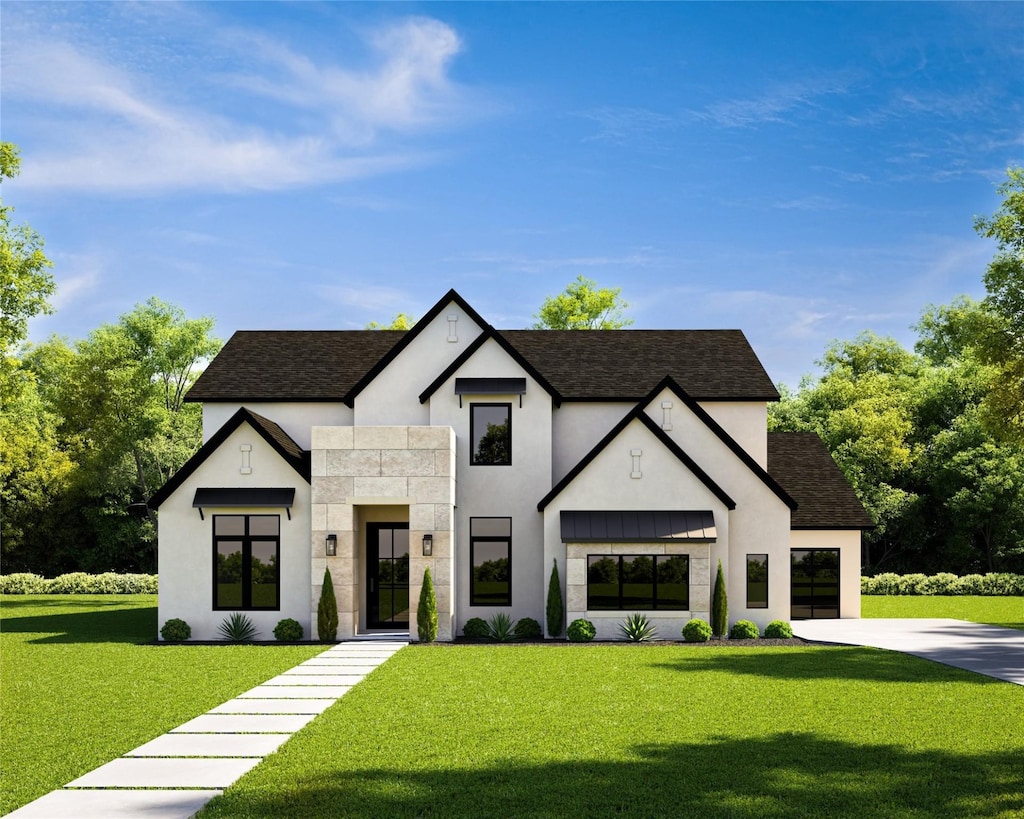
[325, 365]
[803, 467]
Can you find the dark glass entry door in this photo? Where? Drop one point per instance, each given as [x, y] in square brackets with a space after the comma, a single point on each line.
[387, 575]
[815, 584]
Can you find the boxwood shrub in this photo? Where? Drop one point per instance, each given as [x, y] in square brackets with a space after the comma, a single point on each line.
[476, 627]
[580, 631]
[527, 629]
[288, 630]
[744, 630]
[697, 631]
[176, 630]
[778, 630]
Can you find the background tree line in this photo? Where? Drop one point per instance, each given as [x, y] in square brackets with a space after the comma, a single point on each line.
[932, 439]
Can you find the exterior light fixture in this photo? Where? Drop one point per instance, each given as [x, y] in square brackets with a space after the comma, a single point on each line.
[428, 544]
[332, 545]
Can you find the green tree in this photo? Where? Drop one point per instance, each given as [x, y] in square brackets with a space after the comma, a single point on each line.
[555, 613]
[1004, 283]
[26, 283]
[426, 611]
[719, 605]
[327, 611]
[402, 321]
[583, 306]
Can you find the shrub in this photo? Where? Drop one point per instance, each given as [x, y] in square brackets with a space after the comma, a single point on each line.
[22, 583]
[909, 583]
[555, 611]
[581, 631]
[528, 628]
[942, 583]
[288, 630]
[744, 630]
[73, 583]
[327, 611]
[175, 630]
[968, 584]
[697, 631]
[638, 628]
[475, 627]
[237, 628]
[719, 605]
[993, 583]
[778, 630]
[499, 628]
[426, 611]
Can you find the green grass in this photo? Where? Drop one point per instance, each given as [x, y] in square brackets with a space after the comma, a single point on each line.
[999, 611]
[651, 731]
[79, 689]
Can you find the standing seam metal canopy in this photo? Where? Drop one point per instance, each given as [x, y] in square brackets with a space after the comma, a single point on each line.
[638, 526]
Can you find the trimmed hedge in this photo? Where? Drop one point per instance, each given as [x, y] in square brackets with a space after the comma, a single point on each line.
[79, 583]
[991, 585]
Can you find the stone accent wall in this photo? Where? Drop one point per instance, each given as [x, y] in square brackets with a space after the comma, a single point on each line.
[606, 622]
[354, 468]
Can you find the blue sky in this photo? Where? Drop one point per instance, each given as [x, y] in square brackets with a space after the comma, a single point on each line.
[800, 171]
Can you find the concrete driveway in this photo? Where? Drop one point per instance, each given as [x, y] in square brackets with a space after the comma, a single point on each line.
[991, 650]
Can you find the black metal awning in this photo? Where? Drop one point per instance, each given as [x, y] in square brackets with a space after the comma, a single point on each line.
[638, 526]
[490, 386]
[230, 497]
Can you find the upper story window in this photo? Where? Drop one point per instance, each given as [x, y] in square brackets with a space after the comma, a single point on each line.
[490, 430]
[246, 562]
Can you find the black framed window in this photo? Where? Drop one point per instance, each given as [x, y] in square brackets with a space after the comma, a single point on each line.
[246, 562]
[490, 560]
[757, 581]
[490, 430]
[638, 582]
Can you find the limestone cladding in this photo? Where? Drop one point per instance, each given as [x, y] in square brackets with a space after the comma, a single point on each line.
[669, 624]
[395, 466]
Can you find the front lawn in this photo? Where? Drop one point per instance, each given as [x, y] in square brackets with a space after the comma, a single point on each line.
[79, 689]
[601, 730]
[998, 611]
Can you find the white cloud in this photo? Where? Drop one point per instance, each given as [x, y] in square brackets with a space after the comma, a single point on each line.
[642, 257]
[115, 129]
[369, 298]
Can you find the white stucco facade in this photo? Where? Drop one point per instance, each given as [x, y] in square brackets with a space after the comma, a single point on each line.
[397, 454]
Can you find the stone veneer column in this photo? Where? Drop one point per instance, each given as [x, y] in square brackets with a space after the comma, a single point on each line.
[372, 466]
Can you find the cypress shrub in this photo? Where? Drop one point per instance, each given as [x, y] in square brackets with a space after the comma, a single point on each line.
[720, 606]
[327, 612]
[426, 612]
[554, 610]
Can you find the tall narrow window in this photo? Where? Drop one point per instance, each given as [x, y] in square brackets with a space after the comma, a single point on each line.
[490, 430]
[490, 559]
[757, 581]
[246, 562]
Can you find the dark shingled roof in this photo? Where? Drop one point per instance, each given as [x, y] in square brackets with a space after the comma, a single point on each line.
[594, 364]
[628, 364]
[292, 365]
[803, 467]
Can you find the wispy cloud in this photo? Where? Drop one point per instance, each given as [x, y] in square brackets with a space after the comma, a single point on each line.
[132, 132]
[626, 126]
[779, 104]
[642, 257]
[378, 301]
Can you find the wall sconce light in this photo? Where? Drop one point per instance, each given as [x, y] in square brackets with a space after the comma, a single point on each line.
[428, 544]
[332, 545]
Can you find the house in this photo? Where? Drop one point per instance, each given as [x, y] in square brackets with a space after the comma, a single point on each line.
[635, 460]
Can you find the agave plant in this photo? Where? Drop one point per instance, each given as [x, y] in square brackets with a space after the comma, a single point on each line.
[638, 628]
[237, 628]
[499, 628]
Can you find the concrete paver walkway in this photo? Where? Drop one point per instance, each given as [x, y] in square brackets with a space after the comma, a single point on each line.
[990, 650]
[173, 776]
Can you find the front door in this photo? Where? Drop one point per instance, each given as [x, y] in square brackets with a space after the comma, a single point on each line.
[387, 575]
[815, 584]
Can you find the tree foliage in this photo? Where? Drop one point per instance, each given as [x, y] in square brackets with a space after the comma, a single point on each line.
[583, 306]
[110, 428]
[26, 283]
[402, 321]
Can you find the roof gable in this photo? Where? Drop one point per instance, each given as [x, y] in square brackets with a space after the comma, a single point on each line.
[638, 414]
[279, 440]
[705, 418]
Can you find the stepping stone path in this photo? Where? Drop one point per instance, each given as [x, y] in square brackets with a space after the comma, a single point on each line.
[174, 775]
